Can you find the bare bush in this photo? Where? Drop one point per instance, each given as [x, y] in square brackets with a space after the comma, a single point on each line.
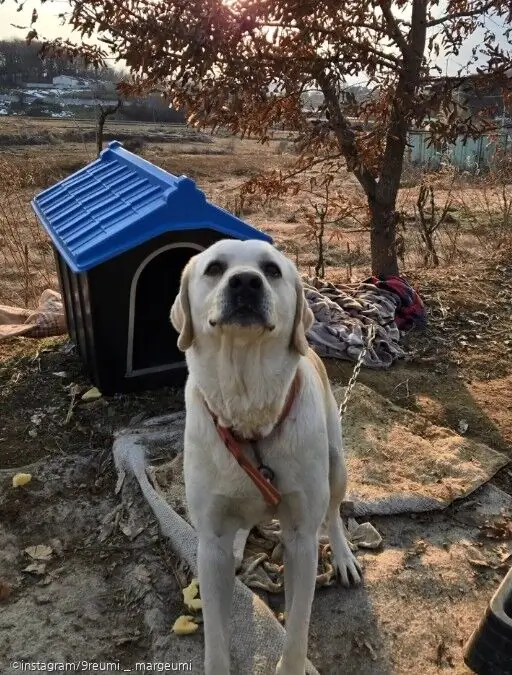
[487, 210]
[27, 266]
[430, 218]
[324, 214]
[455, 215]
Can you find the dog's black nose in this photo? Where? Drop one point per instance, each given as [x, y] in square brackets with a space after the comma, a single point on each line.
[245, 281]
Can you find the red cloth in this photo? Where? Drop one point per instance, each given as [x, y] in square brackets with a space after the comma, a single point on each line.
[410, 312]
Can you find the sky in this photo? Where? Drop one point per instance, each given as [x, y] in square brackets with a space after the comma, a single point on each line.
[49, 25]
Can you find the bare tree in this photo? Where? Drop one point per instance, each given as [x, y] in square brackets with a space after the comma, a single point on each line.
[103, 113]
[245, 65]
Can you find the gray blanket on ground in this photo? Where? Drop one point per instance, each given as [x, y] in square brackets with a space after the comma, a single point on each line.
[343, 316]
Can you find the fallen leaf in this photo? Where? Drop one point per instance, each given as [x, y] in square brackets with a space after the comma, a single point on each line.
[46, 581]
[475, 557]
[5, 590]
[505, 557]
[185, 625]
[136, 419]
[370, 648]
[420, 546]
[39, 552]
[56, 545]
[365, 536]
[37, 418]
[91, 394]
[280, 616]
[35, 568]
[127, 639]
[190, 594]
[21, 479]
[497, 529]
[129, 531]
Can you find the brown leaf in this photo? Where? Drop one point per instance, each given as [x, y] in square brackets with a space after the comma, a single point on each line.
[497, 529]
[476, 558]
[5, 590]
[35, 568]
[39, 552]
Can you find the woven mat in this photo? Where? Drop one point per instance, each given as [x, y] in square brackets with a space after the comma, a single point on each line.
[399, 462]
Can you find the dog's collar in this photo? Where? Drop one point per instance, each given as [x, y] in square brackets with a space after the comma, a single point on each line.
[262, 476]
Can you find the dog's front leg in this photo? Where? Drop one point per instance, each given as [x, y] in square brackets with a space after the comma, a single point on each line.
[216, 566]
[301, 550]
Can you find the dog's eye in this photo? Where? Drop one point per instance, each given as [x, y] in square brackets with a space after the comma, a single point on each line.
[215, 269]
[271, 270]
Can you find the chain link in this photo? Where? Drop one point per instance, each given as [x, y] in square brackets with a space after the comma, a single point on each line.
[355, 373]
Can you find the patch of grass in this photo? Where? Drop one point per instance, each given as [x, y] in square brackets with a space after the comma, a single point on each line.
[27, 266]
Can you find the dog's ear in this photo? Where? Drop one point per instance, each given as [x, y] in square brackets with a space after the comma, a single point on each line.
[181, 317]
[303, 320]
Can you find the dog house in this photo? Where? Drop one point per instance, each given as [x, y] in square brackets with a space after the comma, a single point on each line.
[122, 231]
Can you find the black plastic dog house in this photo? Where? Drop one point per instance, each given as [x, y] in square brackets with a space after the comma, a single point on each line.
[122, 231]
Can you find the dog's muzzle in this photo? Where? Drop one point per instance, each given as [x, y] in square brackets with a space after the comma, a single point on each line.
[244, 300]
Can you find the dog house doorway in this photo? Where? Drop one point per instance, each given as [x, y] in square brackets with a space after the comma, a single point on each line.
[151, 337]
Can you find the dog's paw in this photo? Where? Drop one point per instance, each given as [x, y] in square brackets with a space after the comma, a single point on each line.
[349, 570]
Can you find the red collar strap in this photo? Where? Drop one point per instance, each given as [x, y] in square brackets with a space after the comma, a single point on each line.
[262, 476]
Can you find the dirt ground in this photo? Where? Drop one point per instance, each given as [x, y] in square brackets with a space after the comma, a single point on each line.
[114, 599]
[111, 595]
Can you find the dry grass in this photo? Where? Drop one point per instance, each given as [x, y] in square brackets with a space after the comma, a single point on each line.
[26, 259]
[479, 226]
[478, 214]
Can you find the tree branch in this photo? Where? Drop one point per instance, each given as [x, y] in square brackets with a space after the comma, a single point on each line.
[402, 106]
[314, 162]
[394, 31]
[459, 15]
[346, 137]
[346, 39]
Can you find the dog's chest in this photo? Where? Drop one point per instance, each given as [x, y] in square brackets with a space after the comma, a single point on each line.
[271, 456]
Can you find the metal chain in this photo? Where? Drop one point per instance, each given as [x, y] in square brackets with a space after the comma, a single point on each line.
[355, 373]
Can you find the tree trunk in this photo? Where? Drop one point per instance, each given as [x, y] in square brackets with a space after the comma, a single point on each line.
[382, 202]
[103, 113]
[383, 240]
[382, 193]
[99, 132]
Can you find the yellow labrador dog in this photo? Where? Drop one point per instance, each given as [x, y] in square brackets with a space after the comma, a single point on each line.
[263, 436]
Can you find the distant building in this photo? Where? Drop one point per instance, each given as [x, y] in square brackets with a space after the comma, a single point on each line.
[469, 96]
[38, 85]
[69, 82]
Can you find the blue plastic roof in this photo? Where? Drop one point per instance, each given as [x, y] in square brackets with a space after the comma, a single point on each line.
[120, 201]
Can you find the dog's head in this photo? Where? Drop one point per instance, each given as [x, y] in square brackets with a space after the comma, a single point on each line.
[246, 288]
